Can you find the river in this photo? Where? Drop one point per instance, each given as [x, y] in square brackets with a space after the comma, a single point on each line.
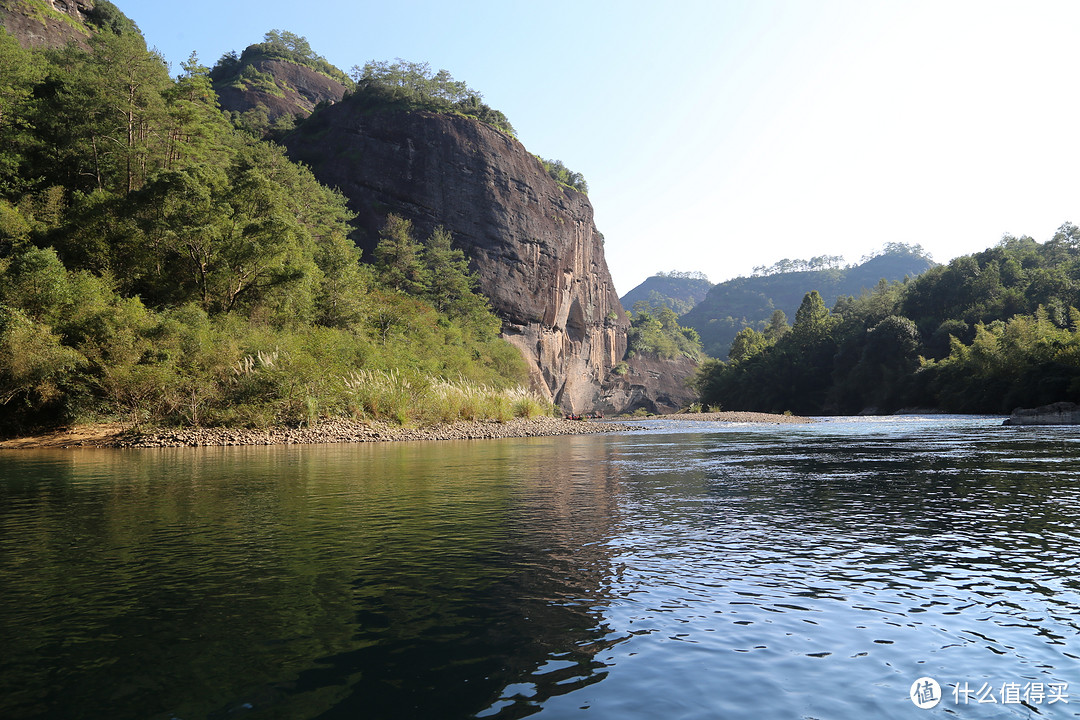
[689, 570]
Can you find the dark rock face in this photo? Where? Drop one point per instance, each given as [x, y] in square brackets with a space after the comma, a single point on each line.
[658, 386]
[299, 90]
[531, 241]
[34, 28]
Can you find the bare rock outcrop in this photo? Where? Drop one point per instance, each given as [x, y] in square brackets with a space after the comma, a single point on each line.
[531, 241]
[653, 384]
[296, 90]
[55, 25]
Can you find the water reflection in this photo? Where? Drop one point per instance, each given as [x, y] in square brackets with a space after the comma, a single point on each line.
[689, 571]
[419, 580]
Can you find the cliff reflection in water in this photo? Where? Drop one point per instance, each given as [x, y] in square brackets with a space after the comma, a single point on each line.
[489, 597]
[421, 580]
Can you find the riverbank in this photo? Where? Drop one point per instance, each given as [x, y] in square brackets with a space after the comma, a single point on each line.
[111, 435]
[744, 417]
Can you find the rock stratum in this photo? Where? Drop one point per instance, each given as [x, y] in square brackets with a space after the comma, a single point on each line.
[531, 241]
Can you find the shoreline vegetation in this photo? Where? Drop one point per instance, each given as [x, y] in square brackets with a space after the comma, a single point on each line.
[116, 435]
[162, 265]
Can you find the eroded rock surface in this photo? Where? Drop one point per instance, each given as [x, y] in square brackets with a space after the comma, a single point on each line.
[298, 89]
[656, 385]
[531, 241]
[33, 26]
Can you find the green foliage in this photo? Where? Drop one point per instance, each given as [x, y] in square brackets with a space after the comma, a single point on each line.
[435, 272]
[564, 175]
[159, 266]
[660, 335]
[680, 291]
[407, 85]
[105, 16]
[239, 71]
[986, 333]
[732, 305]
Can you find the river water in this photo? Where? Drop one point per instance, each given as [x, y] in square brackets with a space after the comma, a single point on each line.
[690, 570]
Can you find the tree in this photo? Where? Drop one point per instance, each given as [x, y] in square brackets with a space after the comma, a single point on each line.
[197, 130]
[812, 320]
[747, 343]
[101, 115]
[397, 257]
[777, 327]
[20, 71]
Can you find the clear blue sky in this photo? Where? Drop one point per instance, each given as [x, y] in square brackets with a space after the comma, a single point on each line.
[720, 135]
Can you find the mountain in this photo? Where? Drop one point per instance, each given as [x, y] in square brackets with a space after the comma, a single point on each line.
[531, 240]
[526, 228]
[680, 291]
[750, 301]
[440, 157]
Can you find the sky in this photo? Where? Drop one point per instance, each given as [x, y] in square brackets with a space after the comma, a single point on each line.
[721, 135]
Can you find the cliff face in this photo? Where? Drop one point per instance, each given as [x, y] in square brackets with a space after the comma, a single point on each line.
[531, 241]
[55, 25]
[656, 385]
[296, 90]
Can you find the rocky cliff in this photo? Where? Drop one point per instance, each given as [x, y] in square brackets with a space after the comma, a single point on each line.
[46, 23]
[650, 383]
[531, 241]
[279, 88]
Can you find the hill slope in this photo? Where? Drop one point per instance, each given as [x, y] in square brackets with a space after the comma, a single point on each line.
[52, 23]
[750, 301]
[679, 291]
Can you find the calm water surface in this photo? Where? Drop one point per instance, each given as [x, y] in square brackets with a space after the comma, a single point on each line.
[687, 571]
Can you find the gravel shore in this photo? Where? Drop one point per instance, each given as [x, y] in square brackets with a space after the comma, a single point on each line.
[351, 431]
[330, 431]
[743, 417]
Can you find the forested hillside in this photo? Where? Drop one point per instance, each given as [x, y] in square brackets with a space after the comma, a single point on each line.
[679, 291]
[158, 264]
[751, 301]
[986, 333]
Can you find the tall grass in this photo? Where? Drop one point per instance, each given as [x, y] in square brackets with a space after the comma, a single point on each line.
[391, 395]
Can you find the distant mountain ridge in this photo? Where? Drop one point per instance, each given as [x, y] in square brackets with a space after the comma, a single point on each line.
[743, 302]
[680, 291]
